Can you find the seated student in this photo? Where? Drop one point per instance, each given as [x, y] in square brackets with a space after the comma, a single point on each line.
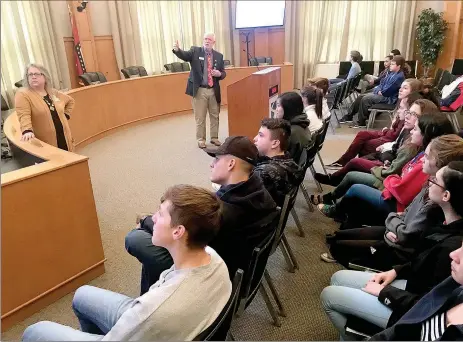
[386, 92]
[312, 97]
[355, 69]
[382, 247]
[275, 167]
[395, 192]
[373, 81]
[441, 308]
[247, 205]
[382, 298]
[395, 52]
[194, 290]
[403, 151]
[290, 107]
[322, 84]
[366, 142]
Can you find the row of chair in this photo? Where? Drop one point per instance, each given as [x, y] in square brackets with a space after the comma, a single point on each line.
[255, 61]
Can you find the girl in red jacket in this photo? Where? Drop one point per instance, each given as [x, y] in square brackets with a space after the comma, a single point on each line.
[364, 204]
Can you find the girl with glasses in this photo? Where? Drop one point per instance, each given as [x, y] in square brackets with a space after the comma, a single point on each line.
[383, 298]
[43, 111]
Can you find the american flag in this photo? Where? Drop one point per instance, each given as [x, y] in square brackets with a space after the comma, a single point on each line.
[80, 64]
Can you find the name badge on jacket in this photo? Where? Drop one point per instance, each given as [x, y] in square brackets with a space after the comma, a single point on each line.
[201, 58]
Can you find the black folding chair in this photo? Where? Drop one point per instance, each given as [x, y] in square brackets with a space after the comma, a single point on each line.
[437, 77]
[413, 67]
[446, 79]
[378, 109]
[218, 330]
[254, 276]
[323, 132]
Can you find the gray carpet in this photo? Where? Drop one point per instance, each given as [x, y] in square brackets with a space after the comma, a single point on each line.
[131, 168]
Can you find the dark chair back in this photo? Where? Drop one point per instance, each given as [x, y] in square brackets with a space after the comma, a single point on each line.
[4, 104]
[255, 272]
[226, 62]
[288, 204]
[253, 62]
[186, 66]
[323, 132]
[269, 60]
[134, 71]
[413, 66]
[368, 67]
[457, 67]
[218, 330]
[91, 78]
[174, 67]
[437, 77]
[338, 95]
[344, 68]
[446, 79]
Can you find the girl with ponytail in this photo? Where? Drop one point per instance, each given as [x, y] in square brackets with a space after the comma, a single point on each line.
[312, 97]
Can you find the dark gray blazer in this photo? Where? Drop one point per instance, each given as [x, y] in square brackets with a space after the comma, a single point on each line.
[197, 66]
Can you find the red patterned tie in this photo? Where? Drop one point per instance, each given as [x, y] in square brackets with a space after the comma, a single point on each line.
[210, 82]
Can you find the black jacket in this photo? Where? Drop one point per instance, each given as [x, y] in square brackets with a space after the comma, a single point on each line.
[300, 136]
[196, 57]
[426, 270]
[443, 297]
[246, 207]
[280, 175]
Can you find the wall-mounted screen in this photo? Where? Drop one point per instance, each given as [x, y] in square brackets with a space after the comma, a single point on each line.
[251, 14]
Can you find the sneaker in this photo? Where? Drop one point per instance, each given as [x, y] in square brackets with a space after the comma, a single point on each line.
[216, 142]
[327, 210]
[142, 216]
[201, 144]
[346, 119]
[334, 166]
[356, 124]
[326, 257]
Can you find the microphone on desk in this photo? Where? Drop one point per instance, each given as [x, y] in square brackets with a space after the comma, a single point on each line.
[250, 56]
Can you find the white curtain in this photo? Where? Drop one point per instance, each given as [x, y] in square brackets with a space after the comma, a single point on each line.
[28, 36]
[161, 23]
[126, 33]
[326, 31]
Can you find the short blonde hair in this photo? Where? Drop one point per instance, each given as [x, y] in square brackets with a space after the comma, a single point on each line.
[46, 74]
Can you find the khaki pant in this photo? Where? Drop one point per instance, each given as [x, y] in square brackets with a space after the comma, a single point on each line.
[203, 101]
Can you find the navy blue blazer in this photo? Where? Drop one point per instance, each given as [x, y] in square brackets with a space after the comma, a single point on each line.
[196, 57]
[443, 297]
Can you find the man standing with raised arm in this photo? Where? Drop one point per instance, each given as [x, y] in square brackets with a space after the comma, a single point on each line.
[207, 69]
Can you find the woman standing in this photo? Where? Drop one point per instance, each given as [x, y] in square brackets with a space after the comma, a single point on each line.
[43, 111]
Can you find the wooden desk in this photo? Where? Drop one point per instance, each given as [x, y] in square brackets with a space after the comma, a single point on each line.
[51, 242]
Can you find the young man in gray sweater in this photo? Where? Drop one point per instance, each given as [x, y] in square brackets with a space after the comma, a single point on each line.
[186, 299]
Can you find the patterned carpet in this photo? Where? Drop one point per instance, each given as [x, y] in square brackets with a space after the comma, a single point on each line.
[131, 168]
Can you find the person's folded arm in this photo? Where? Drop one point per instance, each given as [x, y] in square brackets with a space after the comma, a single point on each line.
[404, 155]
[392, 87]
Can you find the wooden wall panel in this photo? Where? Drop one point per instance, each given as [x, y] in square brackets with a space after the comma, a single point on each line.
[453, 14]
[107, 58]
[264, 42]
[276, 45]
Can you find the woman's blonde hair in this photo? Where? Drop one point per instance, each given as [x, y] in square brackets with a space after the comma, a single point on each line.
[46, 74]
[447, 148]
[415, 84]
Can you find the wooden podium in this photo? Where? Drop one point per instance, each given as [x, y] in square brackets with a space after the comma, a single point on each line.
[251, 99]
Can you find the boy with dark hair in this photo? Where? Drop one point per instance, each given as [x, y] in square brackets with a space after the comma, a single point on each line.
[275, 167]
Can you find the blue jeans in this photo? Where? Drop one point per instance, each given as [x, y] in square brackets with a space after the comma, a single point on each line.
[352, 178]
[363, 204]
[98, 311]
[345, 297]
[154, 259]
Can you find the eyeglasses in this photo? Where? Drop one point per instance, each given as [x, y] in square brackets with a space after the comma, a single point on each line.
[407, 112]
[433, 180]
[36, 74]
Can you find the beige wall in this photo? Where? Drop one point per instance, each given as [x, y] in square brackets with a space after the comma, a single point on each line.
[99, 12]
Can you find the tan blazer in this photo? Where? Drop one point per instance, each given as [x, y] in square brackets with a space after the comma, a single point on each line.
[34, 114]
